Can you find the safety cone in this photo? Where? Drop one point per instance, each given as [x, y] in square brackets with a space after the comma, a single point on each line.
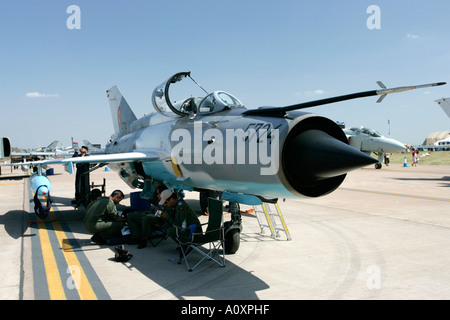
[405, 164]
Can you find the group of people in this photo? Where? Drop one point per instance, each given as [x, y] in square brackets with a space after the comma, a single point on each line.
[169, 213]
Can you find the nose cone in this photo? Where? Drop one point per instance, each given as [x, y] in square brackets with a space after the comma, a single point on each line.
[391, 145]
[43, 191]
[315, 155]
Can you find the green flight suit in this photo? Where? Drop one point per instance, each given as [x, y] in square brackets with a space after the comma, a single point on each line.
[101, 218]
[175, 217]
[142, 223]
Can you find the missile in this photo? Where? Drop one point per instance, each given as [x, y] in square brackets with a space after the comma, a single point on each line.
[385, 91]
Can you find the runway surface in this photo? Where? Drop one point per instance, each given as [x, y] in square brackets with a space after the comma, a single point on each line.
[384, 234]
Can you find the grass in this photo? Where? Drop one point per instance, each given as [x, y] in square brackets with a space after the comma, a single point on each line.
[435, 158]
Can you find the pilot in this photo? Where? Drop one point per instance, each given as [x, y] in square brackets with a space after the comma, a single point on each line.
[81, 179]
[142, 223]
[175, 212]
[102, 217]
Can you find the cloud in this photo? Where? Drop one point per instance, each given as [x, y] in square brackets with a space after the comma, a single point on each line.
[41, 95]
[310, 93]
[412, 36]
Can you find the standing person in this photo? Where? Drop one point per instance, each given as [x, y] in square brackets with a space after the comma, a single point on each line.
[81, 179]
[386, 159]
[102, 217]
[414, 158]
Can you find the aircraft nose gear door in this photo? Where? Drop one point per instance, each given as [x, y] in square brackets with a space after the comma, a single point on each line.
[161, 101]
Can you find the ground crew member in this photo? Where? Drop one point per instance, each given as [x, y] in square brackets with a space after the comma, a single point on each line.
[81, 179]
[142, 223]
[102, 217]
[175, 212]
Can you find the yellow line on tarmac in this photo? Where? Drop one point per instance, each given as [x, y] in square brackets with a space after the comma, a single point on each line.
[79, 278]
[55, 287]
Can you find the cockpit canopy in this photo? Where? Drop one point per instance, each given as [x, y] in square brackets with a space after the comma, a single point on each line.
[214, 102]
[370, 132]
[219, 101]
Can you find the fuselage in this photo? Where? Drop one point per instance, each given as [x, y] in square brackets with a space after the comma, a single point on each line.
[226, 151]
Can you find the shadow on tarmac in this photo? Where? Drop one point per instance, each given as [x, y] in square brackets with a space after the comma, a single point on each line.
[159, 264]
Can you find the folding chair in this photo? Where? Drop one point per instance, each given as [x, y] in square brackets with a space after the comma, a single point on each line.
[213, 237]
[157, 236]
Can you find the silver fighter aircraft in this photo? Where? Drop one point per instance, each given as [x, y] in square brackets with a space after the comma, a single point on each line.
[368, 141]
[214, 144]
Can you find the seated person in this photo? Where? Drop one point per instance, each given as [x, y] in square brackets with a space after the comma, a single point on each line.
[175, 212]
[102, 217]
[143, 223]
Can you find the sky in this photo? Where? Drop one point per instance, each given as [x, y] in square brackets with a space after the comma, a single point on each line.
[57, 62]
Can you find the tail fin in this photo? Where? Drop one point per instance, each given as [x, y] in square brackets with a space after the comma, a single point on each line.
[445, 105]
[122, 115]
[5, 148]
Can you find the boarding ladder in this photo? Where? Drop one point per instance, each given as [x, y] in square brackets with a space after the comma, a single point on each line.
[274, 220]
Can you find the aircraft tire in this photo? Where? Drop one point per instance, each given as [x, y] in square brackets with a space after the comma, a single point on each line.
[232, 241]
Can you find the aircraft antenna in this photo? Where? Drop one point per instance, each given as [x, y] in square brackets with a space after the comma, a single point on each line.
[198, 84]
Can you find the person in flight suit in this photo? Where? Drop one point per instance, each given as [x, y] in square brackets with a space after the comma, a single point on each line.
[142, 223]
[102, 217]
[81, 179]
[175, 212]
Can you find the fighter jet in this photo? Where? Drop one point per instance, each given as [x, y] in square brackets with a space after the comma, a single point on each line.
[214, 143]
[368, 141]
[93, 148]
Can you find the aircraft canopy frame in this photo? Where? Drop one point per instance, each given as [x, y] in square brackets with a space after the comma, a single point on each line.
[213, 102]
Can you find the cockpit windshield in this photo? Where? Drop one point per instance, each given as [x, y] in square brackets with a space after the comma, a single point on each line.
[219, 101]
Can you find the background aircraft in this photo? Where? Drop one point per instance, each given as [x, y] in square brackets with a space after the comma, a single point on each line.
[5, 148]
[92, 147]
[213, 143]
[368, 141]
[444, 103]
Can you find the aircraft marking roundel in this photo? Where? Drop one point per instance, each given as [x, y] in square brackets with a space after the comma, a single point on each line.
[119, 116]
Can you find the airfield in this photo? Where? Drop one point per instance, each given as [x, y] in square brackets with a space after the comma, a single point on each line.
[384, 234]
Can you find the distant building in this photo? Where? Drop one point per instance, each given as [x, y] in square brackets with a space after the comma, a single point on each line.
[432, 138]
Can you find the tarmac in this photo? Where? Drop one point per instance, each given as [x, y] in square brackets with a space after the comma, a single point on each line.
[383, 235]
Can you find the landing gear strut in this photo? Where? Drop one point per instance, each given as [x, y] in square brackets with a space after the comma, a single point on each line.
[233, 227]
